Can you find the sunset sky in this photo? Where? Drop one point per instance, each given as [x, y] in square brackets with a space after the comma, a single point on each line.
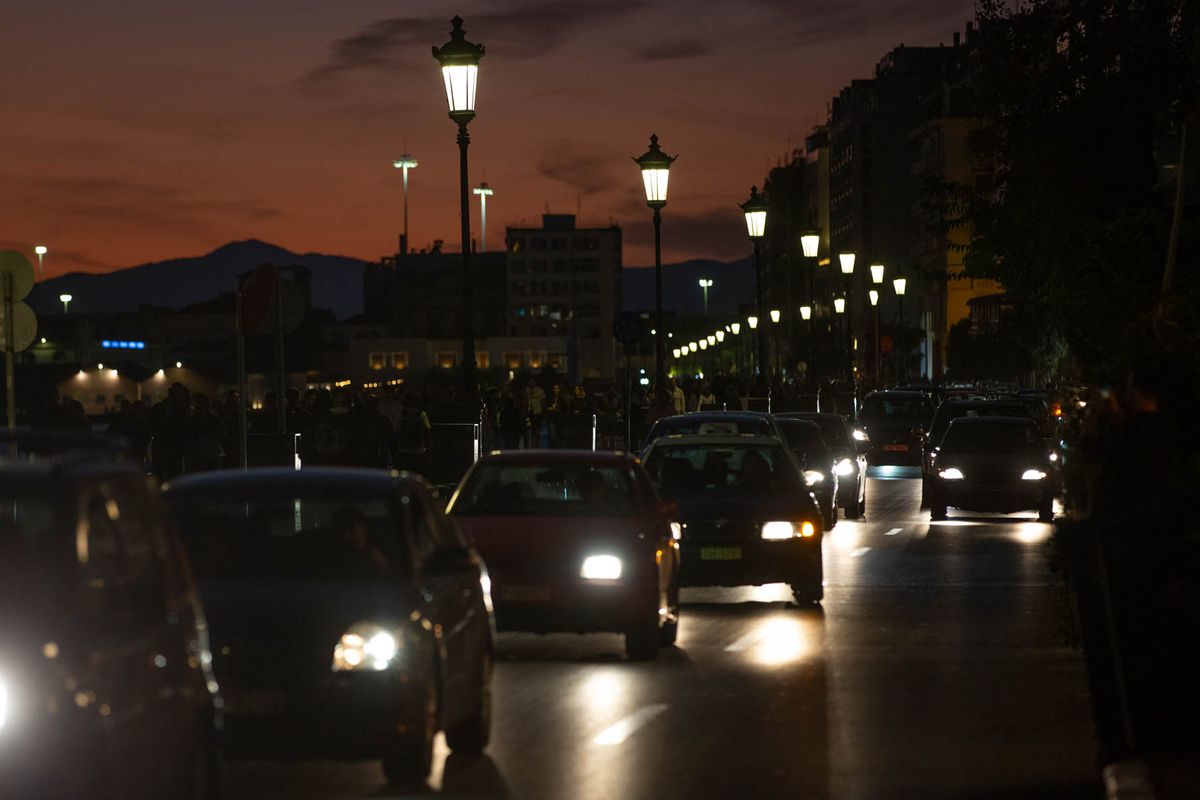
[140, 130]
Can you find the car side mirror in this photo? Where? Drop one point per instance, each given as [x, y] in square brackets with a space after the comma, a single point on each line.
[448, 561]
[667, 508]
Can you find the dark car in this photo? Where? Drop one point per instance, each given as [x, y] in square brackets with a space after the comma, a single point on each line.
[951, 410]
[850, 460]
[894, 424]
[820, 467]
[349, 618]
[574, 541]
[745, 517]
[992, 464]
[715, 423]
[106, 689]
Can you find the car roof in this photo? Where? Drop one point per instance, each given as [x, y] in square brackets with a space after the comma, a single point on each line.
[352, 479]
[996, 420]
[720, 415]
[808, 423]
[66, 468]
[809, 415]
[555, 456]
[717, 439]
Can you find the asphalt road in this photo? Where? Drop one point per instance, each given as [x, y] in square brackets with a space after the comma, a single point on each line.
[940, 666]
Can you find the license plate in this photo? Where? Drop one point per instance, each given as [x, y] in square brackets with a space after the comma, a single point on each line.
[525, 594]
[720, 554]
[253, 702]
[898, 448]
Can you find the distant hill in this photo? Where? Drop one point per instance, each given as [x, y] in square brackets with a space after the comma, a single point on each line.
[733, 284]
[336, 281]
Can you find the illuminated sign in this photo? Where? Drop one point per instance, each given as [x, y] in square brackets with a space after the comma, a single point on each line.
[122, 344]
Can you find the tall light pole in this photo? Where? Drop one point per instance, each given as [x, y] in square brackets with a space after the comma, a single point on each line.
[846, 260]
[806, 315]
[459, 60]
[705, 285]
[752, 324]
[484, 191]
[776, 315]
[404, 163]
[900, 285]
[656, 170]
[40, 251]
[65, 299]
[736, 328]
[755, 210]
[877, 271]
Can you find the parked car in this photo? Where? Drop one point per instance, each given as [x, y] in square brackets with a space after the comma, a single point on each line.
[106, 684]
[851, 460]
[574, 541]
[349, 618]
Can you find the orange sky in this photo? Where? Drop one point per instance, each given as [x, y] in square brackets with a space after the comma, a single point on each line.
[140, 130]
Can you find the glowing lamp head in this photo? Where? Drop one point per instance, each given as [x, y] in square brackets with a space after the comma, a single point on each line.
[877, 273]
[705, 283]
[712, 339]
[755, 210]
[40, 250]
[775, 315]
[899, 284]
[460, 71]
[65, 298]
[405, 162]
[839, 305]
[752, 321]
[656, 170]
[675, 352]
[806, 313]
[874, 295]
[720, 336]
[704, 344]
[692, 347]
[810, 243]
[847, 262]
[484, 190]
[735, 328]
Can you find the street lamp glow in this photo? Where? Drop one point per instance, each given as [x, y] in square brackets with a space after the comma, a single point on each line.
[755, 210]
[900, 284]
[735, 328]
[675, 352]
[704, 344]
[877, 273]
[178, 365]
[810, 243]
[806, 313]
[691, 347]
[720, 336]
[874, 295]
[405, 163]
[40, 249]
[839, 305]
[65, 299]
[775, 315]
[752, 321]
[706, 283]
[847, 262]
[460, 70]
[484, 191]
[656, 171]
[712, 340]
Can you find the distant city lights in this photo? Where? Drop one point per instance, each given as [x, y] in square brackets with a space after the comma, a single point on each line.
[122, 344]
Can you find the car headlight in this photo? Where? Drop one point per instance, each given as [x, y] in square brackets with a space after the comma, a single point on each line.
[811, 477]
[676, 531]
[1032, 475]
[778, 530]
[365, 647]
[951, 474]
[860, 435]
[1053, 457]
[600, 568]
[844, 467]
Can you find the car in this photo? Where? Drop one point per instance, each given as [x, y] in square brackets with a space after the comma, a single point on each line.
[106, 685]
[745, 517]
[951, 410]
[349, 618]
[850, 455]
[742, 423]
[820, 467]
[995, 464]
[893, 423]
[574, 542]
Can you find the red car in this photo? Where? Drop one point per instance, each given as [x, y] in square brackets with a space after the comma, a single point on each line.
[574, 542]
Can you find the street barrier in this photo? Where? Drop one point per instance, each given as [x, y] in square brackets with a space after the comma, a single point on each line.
[456, 446]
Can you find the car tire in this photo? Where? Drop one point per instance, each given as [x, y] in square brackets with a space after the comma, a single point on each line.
[862, 507]
[410, 757]
[924, 493]
[642, 642]
[937, 511]
[471, 735]
[807, 594]
[669, 632]
[1046, 511]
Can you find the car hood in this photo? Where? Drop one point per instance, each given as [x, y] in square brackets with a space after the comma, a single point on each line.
[993, 464]
[513, 542]
[789, 506]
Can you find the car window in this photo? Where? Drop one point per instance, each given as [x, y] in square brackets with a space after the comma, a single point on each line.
[682, 470]
[964, 436]
[546, 490]
[692, 424]
[894, 407]
[803, 437]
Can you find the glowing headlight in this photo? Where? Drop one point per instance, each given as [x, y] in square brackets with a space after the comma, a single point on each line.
[1032, 475]
[860, 435]
[777, 531]
[3, 702]
[844, 467]
[952, 474]
[364, 647]
[600, 568]
[811, 476]
[1053, 457]
[676, 531]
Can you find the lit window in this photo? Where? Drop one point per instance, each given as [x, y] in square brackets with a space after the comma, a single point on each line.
[482, 360]
[446, 360]
[512, 360]
[399, 360]
[377, 360]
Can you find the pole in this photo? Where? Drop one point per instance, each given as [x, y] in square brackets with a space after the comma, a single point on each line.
[761, 339]
[243, 459]
[878, 355]
[404, 244]
[483, 223]
[1177, 213]
[468, 305]
[281, 422]
[660, 375]
[903, 372]
[775, 344]
[10, 392]
[628, 402]
[705, 288]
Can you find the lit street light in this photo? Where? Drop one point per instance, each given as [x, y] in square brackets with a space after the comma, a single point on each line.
[846, 260]
[705, 285]
[873, 294]
[900, 285]
[755, 210]
[656, 170]
[839, 305]
[877, 273]
[459, 60]
[776, 315]
[484, 191]
[405, 163]
[806, 313]
[65, 299]
[40, 251]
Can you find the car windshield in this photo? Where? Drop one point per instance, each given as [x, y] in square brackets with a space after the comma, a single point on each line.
[947, 413]
[546, 490]
[683, 470]
[305, 537]
[894, 407]
[804, 437]
[967, 437]
[693, 424]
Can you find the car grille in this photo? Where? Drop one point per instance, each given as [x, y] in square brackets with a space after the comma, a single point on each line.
[715, 530]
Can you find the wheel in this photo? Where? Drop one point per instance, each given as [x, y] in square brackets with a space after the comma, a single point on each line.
[472, 734]
[937, 511]
[862, 507]
[410, 756]
[669, 632]
[641, 643]
[808, 594]
[924, 493]
[1046, 510]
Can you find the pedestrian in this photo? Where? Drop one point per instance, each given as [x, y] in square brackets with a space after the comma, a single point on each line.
[414, 436]
[208, 437]
[171, 430]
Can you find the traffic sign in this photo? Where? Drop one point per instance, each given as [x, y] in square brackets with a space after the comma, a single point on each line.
[18, 266]
[24, 327]
[628, 327]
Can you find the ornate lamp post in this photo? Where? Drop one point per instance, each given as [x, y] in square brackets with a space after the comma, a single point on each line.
[460, 71]
[755, 210]
[656, 170]
[900, 285]
[873, 294]
[846, 261]
[776, 315]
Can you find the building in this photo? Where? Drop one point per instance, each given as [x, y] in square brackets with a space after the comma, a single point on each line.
[419, 295]
[392, 361]
[565, 281]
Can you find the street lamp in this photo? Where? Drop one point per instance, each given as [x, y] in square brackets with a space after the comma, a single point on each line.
[900, 285]
[752, 321]
[459, 60]
[404, 163]
[675, 352]
[720, 336]
[877, 273]
[711, 339]
[735, 328]
[809, 243]
[705, 285]
[656, 170]
[484, 191]
[755, 210]
[776, 315]
[806, 313]
[839, 305]
[65, 299]
[873, 294]
[40, 251]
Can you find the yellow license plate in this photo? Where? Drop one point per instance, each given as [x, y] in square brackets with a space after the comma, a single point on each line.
[720, 554]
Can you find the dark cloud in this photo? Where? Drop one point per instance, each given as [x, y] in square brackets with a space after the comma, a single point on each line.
[685, 48]
[585, 173]
[526, 31]
[718, 233]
